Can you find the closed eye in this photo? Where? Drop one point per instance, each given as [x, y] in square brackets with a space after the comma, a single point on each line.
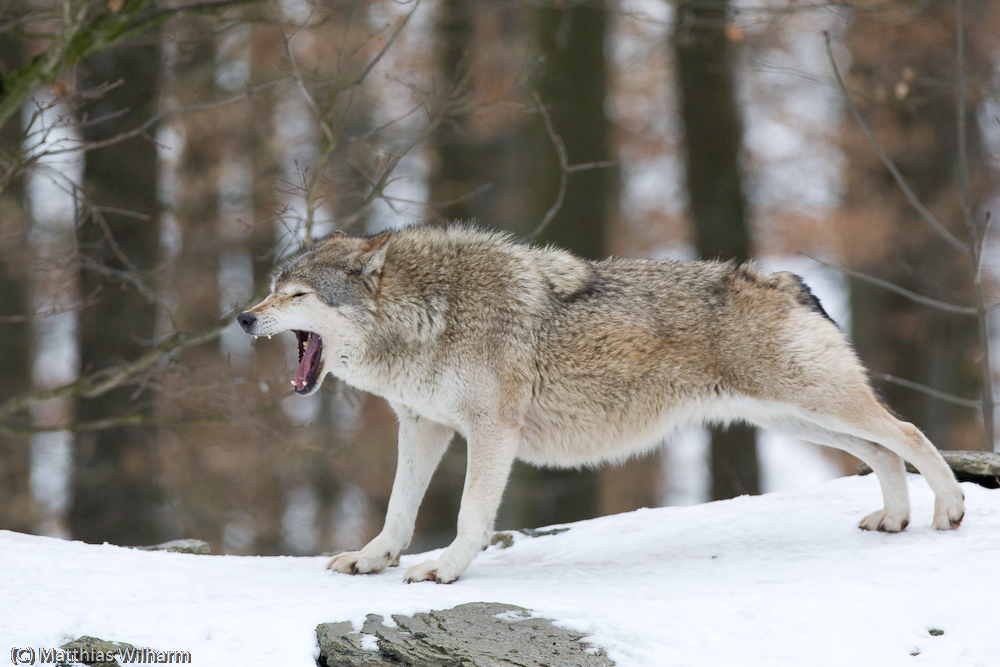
[299, 294]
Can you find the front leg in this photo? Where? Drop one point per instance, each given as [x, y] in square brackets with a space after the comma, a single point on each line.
[422, 443]
[491, 455]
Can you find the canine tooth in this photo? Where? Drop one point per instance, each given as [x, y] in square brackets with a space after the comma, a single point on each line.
[293, 383]
[269, 338]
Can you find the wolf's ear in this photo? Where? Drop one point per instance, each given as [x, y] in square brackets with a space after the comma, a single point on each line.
[370, 259]
[335, 234]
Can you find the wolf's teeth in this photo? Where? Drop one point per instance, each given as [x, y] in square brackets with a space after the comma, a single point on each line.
[269, 338]
[293, 383]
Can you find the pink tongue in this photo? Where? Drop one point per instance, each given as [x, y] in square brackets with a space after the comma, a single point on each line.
[306, 364]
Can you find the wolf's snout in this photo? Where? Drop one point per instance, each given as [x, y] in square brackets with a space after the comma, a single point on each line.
[247, 320]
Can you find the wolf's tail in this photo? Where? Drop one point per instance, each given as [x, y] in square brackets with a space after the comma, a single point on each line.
[794, 285]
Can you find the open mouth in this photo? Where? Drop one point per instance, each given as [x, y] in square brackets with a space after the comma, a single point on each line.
[310, 362]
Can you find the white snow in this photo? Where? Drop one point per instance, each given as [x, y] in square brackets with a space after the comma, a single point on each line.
[780, 579]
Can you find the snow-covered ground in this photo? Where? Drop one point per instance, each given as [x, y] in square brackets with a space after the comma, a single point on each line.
[780, 579]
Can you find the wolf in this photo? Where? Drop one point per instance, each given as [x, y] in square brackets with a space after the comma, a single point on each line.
[532, 353]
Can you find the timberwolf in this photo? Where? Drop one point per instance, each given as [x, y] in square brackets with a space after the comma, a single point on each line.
[534, 354]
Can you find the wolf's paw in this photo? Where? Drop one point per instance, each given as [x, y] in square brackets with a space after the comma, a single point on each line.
[358, 562]
[948, 513]
[432, 570]
[885, 521]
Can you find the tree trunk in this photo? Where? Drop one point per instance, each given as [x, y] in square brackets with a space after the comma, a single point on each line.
[902, 78]
[482, 156]
[713, 137]
[572, 83]
[457, 166]
[117, 496]
[16, 505]
[573, 86]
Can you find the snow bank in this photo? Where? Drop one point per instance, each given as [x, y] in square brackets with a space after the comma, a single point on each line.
[780, 579]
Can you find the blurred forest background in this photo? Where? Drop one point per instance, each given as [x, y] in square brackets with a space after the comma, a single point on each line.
[158, 156]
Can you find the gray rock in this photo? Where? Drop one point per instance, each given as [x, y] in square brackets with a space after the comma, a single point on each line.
[983, 468]
[340, 645]
[477, 634]
[188, 546]
[535, 532]
[505, 539]
[90, 651]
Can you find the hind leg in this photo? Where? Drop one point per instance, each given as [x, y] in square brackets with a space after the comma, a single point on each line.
[888, 468]
[859, 414]
[891, 473]
[907, 441]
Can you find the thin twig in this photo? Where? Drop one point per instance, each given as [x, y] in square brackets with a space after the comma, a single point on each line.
[385, 49]
[930, 391]
[952, 240]
[565, 169]
[977, 242]
[560, 147]
[394, 161]
[101, 382]
[902, 291]
[963, 158]
[141, 419]
[461, 199]
[52, 312]
[141, 129]
[131, 277]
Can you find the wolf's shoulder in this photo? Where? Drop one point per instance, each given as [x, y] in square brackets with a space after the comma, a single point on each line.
[454, 235]
[497, 258]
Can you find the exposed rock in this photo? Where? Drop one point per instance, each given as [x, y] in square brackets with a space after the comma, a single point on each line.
[477, 634]
[535, 532]
[983, 468]
[340, 645]
[505, 538]
[188, 546]
[89, 651]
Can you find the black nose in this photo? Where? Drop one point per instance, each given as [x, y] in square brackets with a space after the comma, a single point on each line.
[246, 320]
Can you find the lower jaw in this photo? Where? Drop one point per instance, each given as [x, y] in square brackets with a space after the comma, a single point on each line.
[312, 386]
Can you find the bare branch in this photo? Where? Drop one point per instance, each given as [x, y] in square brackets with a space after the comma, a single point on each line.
[83, 33]
[141, 129]
[468, 196]
[52, 312]
[140, 419]
[976, 245]
[383, 180]
[564, 167]
[952, 240]
[100, 383]
[322, 114]
[963, 158]
[902, 291]
[930, 391]
[159, 16]
[385, 49]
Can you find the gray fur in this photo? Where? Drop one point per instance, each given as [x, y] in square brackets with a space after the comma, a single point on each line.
[535, 354]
